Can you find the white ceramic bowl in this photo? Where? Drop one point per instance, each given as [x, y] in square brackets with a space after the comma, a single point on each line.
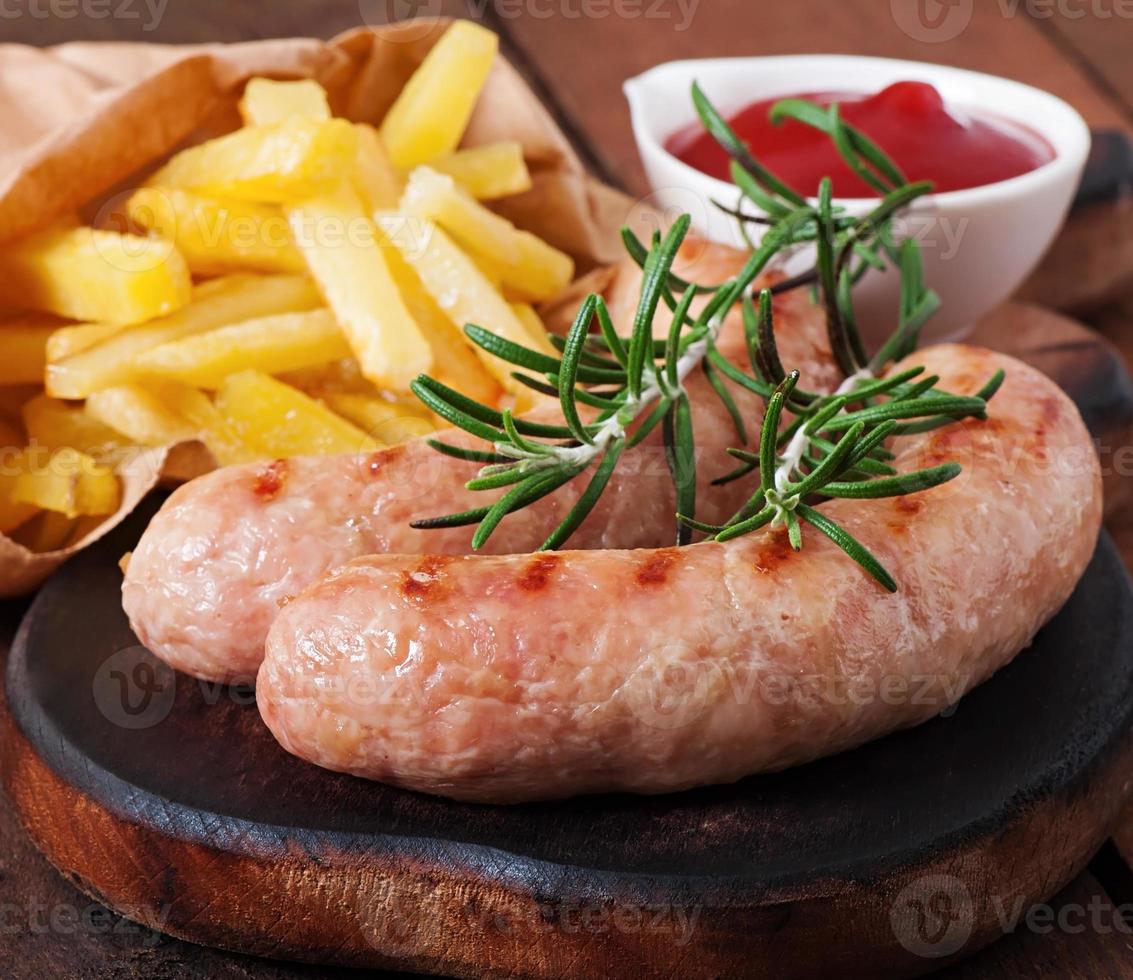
[979, 244]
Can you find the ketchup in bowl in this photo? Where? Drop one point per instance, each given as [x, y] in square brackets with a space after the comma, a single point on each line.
[926, 138]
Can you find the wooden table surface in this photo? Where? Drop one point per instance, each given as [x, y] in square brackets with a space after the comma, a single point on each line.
[576, 53]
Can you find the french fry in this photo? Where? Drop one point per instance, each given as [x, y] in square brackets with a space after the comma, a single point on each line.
[273, 344]
[217, 237]
[529, 317]
[215, 304]
[267, 101]
[488, 268]
[86, 274]
[454, 361]
[389, 422]
[67, 341]
[281, 421]
[307, 342]
[68, 482]
[287, 161]
[430, 115]
[486, 172]
[374, 177]
[218, 434]
[23, 351]
[459, 288]
[340, 245]
[140, 414]
[524, 262]
[60, 425]
[344, 375]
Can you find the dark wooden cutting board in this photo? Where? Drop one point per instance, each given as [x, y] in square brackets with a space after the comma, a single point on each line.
[169, 801]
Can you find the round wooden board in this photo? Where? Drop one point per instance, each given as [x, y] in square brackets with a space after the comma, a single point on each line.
[169, 801]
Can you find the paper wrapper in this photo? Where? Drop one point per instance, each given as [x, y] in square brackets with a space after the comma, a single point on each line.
[22, 571]
[82, 121]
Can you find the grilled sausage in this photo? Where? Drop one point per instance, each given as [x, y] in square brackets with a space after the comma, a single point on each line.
[210, 573]
[529, 677]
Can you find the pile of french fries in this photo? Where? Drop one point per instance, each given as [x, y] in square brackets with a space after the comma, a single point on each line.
[268, 293]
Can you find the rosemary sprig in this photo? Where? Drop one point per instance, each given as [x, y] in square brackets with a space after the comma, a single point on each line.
[614, 391]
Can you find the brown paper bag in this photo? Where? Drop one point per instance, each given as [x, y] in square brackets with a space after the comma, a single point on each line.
[80, 121]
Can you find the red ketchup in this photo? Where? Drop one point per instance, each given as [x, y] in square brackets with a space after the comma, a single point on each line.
[927, 139]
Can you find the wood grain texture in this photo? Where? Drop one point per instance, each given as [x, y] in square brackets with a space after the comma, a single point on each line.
[51, 929]
[195, 22]
[1096, 35]
[1100, 943]
[1115, 326]
[1090, 264]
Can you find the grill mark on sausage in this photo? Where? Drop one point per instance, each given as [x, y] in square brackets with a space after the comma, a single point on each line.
[537, 573]
[424, 582]
[382, 458]
[907, 505]
[775, 552]
[906, 508]
[1050, 414]
[656, 568]
[269, 481]
[957, 441]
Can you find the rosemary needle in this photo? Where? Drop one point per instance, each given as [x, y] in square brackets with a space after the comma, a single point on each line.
[811, 447]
